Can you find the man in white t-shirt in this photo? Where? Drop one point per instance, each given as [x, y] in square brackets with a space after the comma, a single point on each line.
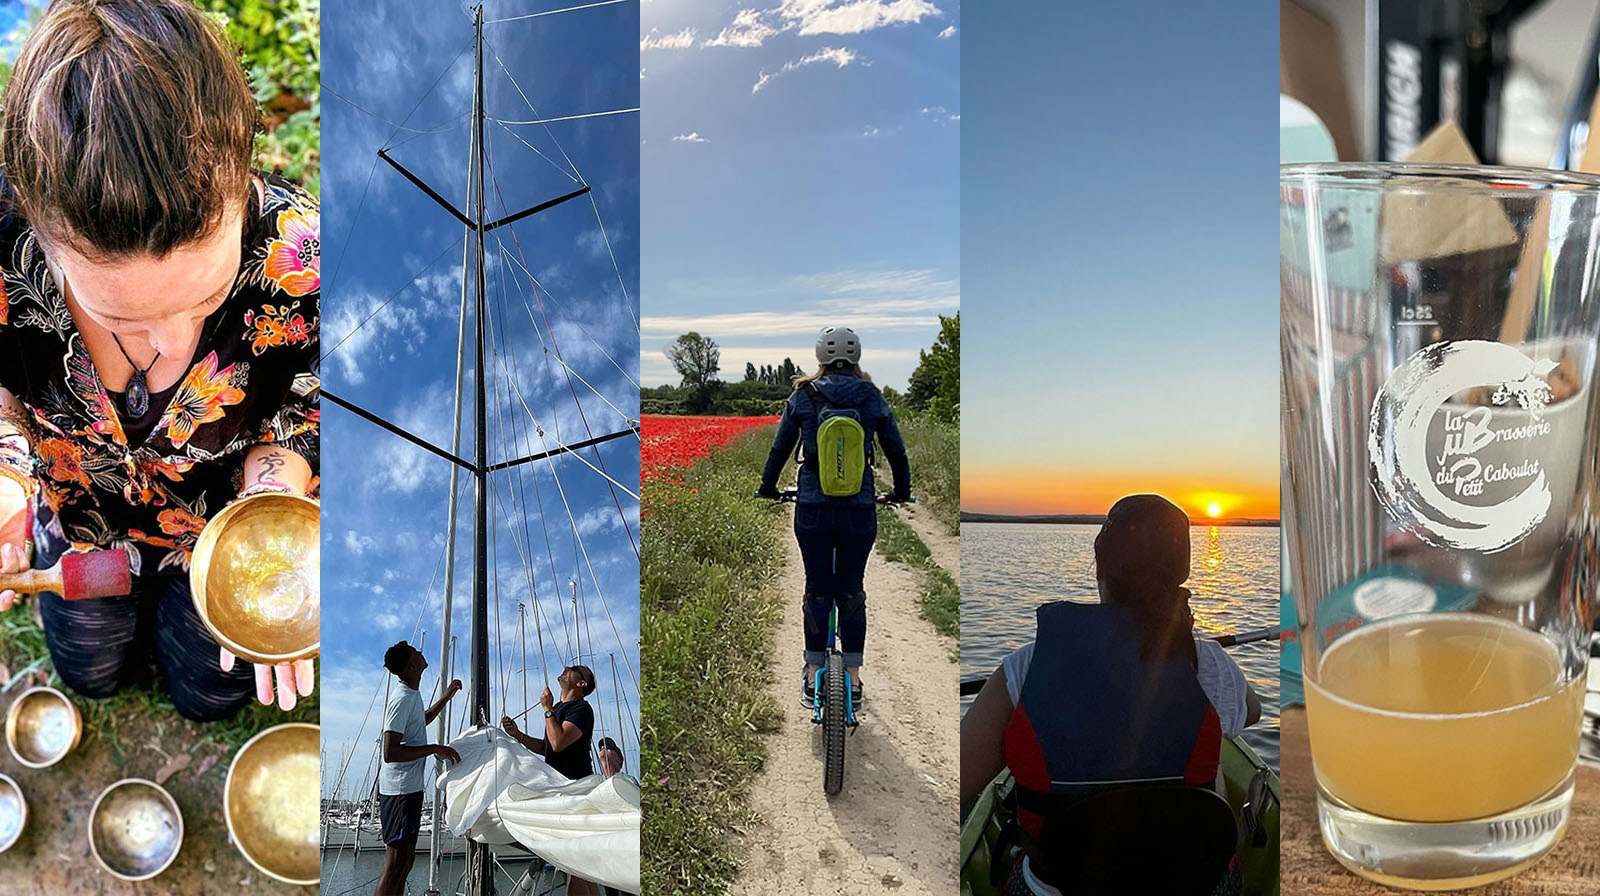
[405, 754]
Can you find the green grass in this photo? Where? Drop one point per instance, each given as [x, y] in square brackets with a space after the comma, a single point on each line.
[22, 648]
[708, 610]
[934, 448]
[941, 597]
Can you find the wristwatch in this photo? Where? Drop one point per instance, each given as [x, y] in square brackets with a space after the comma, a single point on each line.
[549, 713]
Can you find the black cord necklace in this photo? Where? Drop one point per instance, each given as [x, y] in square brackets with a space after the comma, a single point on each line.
[137, 399]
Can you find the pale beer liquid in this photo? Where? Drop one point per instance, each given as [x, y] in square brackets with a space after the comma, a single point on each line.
[1442, 717]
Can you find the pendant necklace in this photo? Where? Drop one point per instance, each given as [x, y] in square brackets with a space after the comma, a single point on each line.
[137, 400]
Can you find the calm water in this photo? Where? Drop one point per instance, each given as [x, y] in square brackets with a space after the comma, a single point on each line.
[360, 877]
[1008, 569]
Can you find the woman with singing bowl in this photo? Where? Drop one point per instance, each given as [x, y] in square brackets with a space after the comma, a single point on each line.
[158, 335]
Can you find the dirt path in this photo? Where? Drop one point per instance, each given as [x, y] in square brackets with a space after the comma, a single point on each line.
[894, 827]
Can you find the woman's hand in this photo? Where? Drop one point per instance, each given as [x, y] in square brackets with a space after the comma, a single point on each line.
[12, 560]
[291, 679]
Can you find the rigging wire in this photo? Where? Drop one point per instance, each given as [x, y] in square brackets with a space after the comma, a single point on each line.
[573, 389]
[568, 117]
[349, 234]
[554, 301]
[398, 127]
[627, 300]
[518, 494]
[512, 78]
[395, 295]
[574, 167]
[551, 12]
[564, 172]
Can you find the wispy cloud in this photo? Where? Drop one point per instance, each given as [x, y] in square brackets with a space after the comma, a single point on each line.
[948, 33]
[747, 30]
[691, 137]
[853, 16]
[677, 40]
[773, 323]
[838, 56]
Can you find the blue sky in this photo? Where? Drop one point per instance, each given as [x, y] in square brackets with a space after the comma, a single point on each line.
[384, 500]
[1119, 223]
[801, 166]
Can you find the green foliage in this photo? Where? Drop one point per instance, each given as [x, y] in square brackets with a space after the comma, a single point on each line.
[745, 398]
[710, 555]
[936, 383]
[934, 449]
[280, 41]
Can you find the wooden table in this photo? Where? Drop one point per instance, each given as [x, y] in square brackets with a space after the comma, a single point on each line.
[1572, 869]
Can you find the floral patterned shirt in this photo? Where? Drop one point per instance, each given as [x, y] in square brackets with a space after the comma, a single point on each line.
[253, 381]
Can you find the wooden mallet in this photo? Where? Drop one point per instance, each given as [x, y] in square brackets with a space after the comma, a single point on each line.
[76, 576]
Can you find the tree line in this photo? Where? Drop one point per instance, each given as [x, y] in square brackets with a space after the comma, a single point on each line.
[934, 388]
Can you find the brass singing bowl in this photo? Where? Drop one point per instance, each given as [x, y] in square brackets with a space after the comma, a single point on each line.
[42, 727]
[256, 578]
[13, 813]
[271, 802]
[135, 829]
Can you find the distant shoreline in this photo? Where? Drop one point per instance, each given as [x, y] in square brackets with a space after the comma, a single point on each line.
[1094, 519]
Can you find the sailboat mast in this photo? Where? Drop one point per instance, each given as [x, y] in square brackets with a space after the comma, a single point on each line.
[480, 870]
[446, 642]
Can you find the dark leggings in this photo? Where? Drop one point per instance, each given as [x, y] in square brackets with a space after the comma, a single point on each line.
[100, 646]
[835, 542]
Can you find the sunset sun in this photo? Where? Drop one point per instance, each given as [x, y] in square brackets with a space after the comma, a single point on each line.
[1214, 509]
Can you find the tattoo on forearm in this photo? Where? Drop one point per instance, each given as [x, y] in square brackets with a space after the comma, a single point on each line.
[272, 464]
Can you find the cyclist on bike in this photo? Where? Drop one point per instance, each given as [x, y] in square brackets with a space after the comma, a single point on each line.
[836, 526]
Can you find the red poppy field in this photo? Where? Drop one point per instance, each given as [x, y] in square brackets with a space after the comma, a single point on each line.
[672, 443]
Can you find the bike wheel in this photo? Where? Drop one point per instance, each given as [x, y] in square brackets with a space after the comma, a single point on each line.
[833, 723]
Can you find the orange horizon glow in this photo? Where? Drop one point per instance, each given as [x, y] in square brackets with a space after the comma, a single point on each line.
[1067, 492]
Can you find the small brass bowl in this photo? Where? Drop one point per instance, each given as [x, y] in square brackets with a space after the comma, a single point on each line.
[13, 813]
[256, 575]
[42, 727]
[271, 802]
[135, 829]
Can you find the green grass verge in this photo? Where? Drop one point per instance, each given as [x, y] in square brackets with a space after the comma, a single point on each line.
[708, 611]
[22, 649]
[941, 597]
[934, 449]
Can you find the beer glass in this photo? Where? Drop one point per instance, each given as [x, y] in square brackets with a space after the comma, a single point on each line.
[1438, 336]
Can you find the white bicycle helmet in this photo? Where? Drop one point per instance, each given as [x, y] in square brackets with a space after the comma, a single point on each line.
[838, 343]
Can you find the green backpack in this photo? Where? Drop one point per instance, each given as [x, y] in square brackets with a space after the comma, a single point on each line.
[842, 446]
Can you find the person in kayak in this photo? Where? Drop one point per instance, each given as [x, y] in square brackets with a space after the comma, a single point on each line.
[835, 516]
[1113, 692]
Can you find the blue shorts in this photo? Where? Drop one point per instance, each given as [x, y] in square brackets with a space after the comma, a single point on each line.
[402, 818]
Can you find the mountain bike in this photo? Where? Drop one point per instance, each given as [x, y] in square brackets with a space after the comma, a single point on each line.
[833, 702]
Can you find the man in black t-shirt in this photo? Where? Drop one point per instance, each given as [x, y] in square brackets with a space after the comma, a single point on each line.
[568, 725]
[568, 729]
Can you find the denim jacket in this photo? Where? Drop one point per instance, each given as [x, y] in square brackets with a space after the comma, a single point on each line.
[799, 424]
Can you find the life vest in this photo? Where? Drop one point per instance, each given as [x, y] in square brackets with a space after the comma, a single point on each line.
[1092, 713]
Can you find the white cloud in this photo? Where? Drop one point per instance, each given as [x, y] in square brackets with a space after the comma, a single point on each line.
[870, 132]
[678, 40]
[948, 33]
[692, 137]
[388, 620]
[356, 543]
[747, 30]
[853, 16]
[839, 56]
[773, 323]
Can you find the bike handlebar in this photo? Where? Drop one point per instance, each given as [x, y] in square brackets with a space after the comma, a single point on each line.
[790, 495]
